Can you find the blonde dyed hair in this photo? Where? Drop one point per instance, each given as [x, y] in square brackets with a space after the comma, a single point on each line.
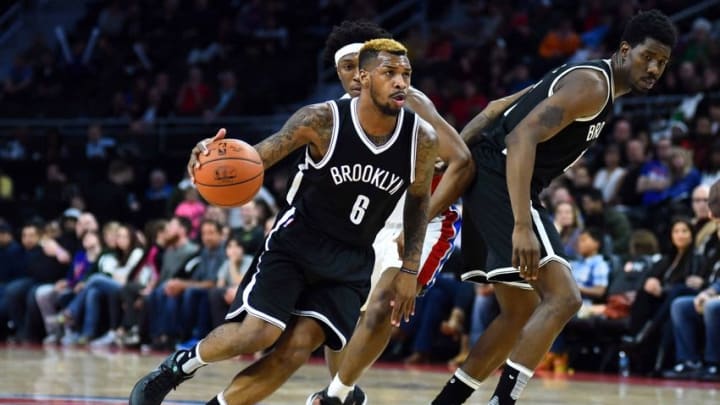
[384, 44]
[373, 47]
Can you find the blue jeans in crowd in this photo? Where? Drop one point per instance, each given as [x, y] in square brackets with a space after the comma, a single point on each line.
[87, 305]
[688, 325]
[15, 300]
[196, 312]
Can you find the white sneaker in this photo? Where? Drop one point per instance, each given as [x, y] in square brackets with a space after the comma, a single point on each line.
[104, 340]
[70, 338]
[51, 339]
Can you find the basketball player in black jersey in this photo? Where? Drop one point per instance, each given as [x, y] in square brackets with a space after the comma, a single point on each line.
[314, 271]
[517, 155]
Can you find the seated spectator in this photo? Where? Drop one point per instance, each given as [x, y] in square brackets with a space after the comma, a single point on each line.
[655, 175]
[190, 296]
[684, 176]
[569, 224]
[129, 254]
[608, 220]
[609, 177]
[560, 43]
[229, 277]
[45, 263]
[51, 297]
[711, 172]
[591, 272]
[98, 146]
[141, 282]
[157, 195]
[245, 222]
[194, 95]
[179, 249]
[690, 315]
[193, 209]
[680, 272]
[702, 225]
[13, 263]
[229, 101]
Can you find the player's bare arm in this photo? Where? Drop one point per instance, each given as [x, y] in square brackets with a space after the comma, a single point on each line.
[451, 149]
[473, 130]
[581, 93]
[310, 124]
[415, 219]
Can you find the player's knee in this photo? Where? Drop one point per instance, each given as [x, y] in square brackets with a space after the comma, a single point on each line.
[378, 310]
[295, 351]
[564, 304]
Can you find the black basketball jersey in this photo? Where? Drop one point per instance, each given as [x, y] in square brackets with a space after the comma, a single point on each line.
[350, 192]
[557, 154]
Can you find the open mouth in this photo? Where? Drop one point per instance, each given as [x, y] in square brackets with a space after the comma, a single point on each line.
[399, 98]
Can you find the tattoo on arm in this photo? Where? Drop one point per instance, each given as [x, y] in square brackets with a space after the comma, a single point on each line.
[551, 117]
[310, 124]
[417, 201]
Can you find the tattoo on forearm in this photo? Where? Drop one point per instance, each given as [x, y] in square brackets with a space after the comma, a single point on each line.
[415, 223]
[551, 117]
[417, 201]
[317, 118]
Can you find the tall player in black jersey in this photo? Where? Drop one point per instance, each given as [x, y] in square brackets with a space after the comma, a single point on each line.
[518, 154]
[314, 271]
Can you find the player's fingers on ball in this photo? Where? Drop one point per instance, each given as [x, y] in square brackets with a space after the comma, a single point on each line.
[220, 134]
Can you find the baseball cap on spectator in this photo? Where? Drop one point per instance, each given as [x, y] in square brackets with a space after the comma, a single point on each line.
[72, 213]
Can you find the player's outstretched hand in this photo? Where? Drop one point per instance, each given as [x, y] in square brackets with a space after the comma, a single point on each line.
[526, 252]
[201, 147]
[403, 303]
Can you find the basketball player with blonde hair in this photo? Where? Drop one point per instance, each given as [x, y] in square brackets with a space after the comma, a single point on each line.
[361, 156]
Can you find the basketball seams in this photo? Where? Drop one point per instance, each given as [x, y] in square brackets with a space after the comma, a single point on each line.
[230, 184]
[203, 163]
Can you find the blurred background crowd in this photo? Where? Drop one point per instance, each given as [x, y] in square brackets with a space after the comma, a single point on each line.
[103, 241]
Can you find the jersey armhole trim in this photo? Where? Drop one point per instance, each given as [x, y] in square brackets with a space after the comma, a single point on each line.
[607, 97]
[333, 140]
[413, 146]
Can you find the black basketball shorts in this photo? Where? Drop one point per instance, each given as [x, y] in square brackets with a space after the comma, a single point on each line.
[303, 272]
[488, 227]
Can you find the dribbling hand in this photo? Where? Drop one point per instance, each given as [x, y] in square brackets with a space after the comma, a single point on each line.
[403, 303]
[526, 252]
[201, 147]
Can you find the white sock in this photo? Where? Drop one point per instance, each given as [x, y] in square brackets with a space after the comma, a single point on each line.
[192, 360]
[339, 390]
[221, 398]
[467, 379]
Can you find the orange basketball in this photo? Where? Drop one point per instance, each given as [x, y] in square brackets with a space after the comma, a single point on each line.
[230, 174]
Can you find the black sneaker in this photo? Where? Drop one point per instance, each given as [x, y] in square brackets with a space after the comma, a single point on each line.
[711, 372]
[356, 397]
[154, 387]
[683, 371]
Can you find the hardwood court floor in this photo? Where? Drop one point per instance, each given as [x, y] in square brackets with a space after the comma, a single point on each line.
[63, 376]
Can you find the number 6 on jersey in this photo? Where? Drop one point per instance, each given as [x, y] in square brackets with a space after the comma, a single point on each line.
[359, 208]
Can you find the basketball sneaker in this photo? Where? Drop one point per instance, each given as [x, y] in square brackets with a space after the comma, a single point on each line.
[154, 387]
[356, 397]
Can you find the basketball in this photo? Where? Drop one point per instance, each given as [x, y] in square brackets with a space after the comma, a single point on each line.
[230, 174]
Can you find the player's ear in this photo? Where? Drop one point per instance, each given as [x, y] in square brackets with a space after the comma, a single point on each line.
[364, 77]
[624, 49]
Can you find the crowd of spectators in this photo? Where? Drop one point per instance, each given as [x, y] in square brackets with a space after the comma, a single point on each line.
[632, 213]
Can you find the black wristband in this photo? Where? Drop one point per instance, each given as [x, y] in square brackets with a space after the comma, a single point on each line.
[409, 271]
